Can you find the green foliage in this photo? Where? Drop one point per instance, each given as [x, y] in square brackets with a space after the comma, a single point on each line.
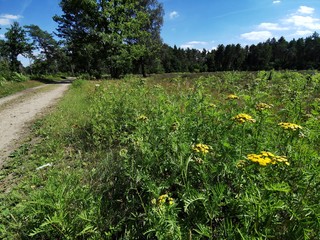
[202, 158]
[18, 77]
[51, 58]
[272, 54]
[110, 33]
[16, 44]
[78, 83]
[10, 87]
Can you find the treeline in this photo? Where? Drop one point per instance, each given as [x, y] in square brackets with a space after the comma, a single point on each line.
[95, 37]
[117, 37]
[280, 54]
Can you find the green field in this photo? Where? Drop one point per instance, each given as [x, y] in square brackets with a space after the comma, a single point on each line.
[230, 155]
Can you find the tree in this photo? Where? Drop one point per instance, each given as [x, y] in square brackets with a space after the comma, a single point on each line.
[312, 47]
[4, 63]
[16, 44]
[2, 49]
[209, 61]
[292, 55]
[146, 41]
[219, 57]
[240, 57]
[48, 47]
[75, 27]
[280, 53]
[110, 33]
[259, 57]
[300, 60]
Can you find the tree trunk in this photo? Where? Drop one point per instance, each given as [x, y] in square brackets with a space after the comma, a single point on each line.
[143, 68]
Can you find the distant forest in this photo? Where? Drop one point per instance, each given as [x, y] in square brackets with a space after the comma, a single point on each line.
[300, 54]
[124, 37]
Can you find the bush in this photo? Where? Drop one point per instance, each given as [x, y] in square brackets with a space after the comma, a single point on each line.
[18, 77]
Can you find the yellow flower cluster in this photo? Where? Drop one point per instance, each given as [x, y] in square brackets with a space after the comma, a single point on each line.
[263, 106]
[142, 118]
[232, 97]
[289, 126]
[201, 148]
[265, 158]
[163, 199]
[242, 118]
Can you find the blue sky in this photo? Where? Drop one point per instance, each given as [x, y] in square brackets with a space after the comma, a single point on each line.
[207, 23]
[198, 24]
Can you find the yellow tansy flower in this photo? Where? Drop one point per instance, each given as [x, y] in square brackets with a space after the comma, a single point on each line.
[201, 148]
[243, 117]
[289, 126]
[265, 158]
[165, 199]
[232, 97]
[171, 201]
[263, 106]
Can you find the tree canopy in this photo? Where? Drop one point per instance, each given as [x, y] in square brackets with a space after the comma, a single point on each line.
[110, 34]
[15, 44]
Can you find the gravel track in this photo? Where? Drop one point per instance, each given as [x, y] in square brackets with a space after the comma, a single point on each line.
[19, 110]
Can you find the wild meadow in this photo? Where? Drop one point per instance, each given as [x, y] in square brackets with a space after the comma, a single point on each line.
[230, 155]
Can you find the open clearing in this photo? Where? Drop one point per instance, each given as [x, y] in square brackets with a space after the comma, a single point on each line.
[18, 110]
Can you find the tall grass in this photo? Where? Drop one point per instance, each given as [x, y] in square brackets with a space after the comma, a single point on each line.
[225, 156]
[8, 88]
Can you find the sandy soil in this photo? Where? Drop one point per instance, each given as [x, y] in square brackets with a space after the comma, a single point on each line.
[19, 110]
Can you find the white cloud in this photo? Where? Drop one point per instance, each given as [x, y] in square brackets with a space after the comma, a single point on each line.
[2, 36]
[303, 33]
[185, 46]
[199, 45]
[257, 35]
[306, 10]
[173, 15]
[10, 16]
[276, 2]
[6, 19]
[306, 22]
[271, 26]
[300, 23]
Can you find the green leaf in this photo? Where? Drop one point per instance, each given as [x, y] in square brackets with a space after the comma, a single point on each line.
[203, 230]
[192, 199]
[278, 187]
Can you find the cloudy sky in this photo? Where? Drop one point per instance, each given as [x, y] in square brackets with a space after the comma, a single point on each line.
[198, 24]
[207, 23]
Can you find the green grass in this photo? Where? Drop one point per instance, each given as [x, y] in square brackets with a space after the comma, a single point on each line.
[8, 88]
[168, 158]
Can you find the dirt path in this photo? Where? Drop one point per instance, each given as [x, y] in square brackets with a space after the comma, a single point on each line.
[18, 110]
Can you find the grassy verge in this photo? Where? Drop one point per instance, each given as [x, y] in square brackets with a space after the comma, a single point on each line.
[52, 144]
[224, 156]
[8, 88]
